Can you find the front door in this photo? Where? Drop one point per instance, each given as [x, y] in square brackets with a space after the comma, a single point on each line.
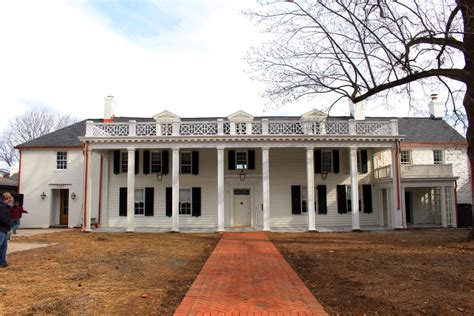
[63, 207]
[242, 207]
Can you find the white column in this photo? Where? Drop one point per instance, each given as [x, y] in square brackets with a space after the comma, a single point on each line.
[266, 188]
[220, 189]
[310, 188]
[444, 220]
[87, 227]
[354, 189]
[131, 190]
[105, 189]
[175, 208]
[397, 219]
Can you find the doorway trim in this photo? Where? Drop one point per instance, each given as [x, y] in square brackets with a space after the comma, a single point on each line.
[249, 184]
[243, 187]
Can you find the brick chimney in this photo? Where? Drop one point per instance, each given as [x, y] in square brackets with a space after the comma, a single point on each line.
[357, 110]
[110, 108]
[435, 107]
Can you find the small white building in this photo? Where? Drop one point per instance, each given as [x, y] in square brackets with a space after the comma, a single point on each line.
[171, 172]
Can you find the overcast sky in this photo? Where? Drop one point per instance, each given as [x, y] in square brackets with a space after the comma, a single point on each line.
[184, 56]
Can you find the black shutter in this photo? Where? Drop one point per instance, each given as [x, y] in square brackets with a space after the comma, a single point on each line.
[149, 198]
[322, 200]
[231, 160]
[367, 196]
[146, 162]
[195, 163]
[196, 196]
[116, 161]
[295, 199]
[165, 161]
[169, 201]
[123, 202]
[335, 160]
[251, 157]
[363, 157]
[341, 199]
[137, 161]
[317, 161]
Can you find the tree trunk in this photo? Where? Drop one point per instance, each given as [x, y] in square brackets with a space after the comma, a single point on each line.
[467, 10]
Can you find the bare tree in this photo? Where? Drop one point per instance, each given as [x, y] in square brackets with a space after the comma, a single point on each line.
[27, 126]
[357, 49]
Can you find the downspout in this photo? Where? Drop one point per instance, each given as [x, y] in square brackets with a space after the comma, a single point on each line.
[86, 175]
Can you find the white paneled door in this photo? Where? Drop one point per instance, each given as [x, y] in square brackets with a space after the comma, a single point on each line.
[242, 207]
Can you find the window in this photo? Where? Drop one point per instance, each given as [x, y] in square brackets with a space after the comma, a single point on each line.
[241, 160]
[61, 160]
[405, 157]
[123, 161]
[304, 199]
[186, 162]
[438, 157]
[139, 202]
[326, 160]
[185, 201]
[155, 161]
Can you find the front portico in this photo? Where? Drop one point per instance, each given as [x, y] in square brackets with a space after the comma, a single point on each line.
[189, 173]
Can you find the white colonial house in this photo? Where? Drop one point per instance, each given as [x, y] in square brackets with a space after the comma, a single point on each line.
[172, 173]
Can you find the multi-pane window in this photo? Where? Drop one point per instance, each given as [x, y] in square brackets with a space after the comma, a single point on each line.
[123, 161]
[186, 162]
[241, 160]
[437, 157]
[405, 157]
[61, 160]
[326, 161]
[304, 200]
[139, 202]
[155, 161]
[185, 201]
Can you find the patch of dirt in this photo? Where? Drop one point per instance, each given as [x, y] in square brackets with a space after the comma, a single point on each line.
[103, 273]
[391, 272]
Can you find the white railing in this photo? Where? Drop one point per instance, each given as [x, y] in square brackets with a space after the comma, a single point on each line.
[427, 171]
[416, 171]
[222, 127]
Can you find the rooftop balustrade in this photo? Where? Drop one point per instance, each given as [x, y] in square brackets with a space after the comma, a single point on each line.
[222, 127]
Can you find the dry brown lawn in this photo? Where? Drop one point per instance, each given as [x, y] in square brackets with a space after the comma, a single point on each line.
[103, 273]
[385, 273]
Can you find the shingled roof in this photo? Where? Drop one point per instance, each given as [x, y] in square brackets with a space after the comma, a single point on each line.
[415, 129]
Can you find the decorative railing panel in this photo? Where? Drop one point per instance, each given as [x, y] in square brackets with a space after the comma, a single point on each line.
[285, 128]
[223, 127]
[257, 128]
[146, 129]
[198, 128]
[373, 128]
[337, 128]
[383, 172]
[109, 129]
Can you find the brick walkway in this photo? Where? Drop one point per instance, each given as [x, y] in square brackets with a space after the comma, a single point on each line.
[246, 275]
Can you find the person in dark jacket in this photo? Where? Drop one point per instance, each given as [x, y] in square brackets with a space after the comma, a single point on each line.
[5, 226]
